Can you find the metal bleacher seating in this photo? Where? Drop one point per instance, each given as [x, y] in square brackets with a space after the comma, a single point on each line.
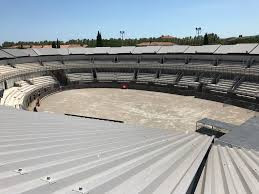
[17, 96]
[106, 76]
[223, 85]
[43, 81]
[115, 76]
[249, 89]
[232, 66]
[165, 79]
[80, 77]
[125, 77]
[206, 80]
[53, 64]
[6, 69]
[188, 81]
[146, 77]
[254, 69]
[28, 66]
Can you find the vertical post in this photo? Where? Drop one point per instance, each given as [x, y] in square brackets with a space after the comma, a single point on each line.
[122, 36]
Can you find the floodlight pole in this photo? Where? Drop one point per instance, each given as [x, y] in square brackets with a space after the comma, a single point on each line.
[122, 33]
[198, 31]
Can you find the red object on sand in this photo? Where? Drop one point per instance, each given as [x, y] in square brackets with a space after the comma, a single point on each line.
[124, 86]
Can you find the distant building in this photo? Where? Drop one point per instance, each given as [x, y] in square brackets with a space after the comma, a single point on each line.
[41, 46]
[166, 37]
[72, 45]
[156, 44]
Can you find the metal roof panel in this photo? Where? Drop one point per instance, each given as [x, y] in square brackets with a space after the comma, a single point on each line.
[121, 50]
[230, 170]
[202, 49]
[173, 49]
[5, 55]
[146, 50]
[47, 153]
[51, 51]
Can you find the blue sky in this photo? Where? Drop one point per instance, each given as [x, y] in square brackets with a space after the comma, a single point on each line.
[72, 19]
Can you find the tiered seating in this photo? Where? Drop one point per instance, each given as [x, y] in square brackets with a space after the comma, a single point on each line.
[17, 96]
[232, 66]
[125, 77]
[114, 76]
[165, 79]
[199, 64]
[22, 83]
[77, 62]
[106, 76]
[6, 69]
[43, 81]
[53, 64]
[80, 77]
[146, 77]
[254, 69]
[223, 85]
[248, 89]
[28, 66]
[188, 81]
[206, 80]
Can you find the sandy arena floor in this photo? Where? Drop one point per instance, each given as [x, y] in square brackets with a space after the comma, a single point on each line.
[149, 109]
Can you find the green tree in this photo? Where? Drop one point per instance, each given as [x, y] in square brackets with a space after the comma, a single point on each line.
[206, 39]
[58, 44]
[99, 40]
[54, 44]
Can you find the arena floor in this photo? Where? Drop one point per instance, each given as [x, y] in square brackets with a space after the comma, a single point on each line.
[143, 108]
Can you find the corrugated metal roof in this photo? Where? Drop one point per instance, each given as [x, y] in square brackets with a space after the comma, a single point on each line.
[80, 51]
[242, 48]
[17, 52]
[224, 49]
[100, 50]
[4, 55]
[146, 50]
[209, 49]
[173, 49]
[230, 170]
[30, 52]
[255, 51]
[202, 49]
[51, 51]
[122, 50]
[47, 153]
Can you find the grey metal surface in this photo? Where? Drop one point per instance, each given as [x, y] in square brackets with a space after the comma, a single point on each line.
[176, 49]
[147, 50]
[245, 135]
[223, 49]
[51, 51]
[242, 48]
[255, 51]
[173, 49]
[218, 124]
[42, 153]
[230, 171]
[5, 55]
[30, 52]
[79, 51]
[100, 50]
[17, 52]
[210, 49]
[121, 50]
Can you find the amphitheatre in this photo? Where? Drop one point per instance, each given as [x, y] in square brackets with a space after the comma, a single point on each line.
[155, 119]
